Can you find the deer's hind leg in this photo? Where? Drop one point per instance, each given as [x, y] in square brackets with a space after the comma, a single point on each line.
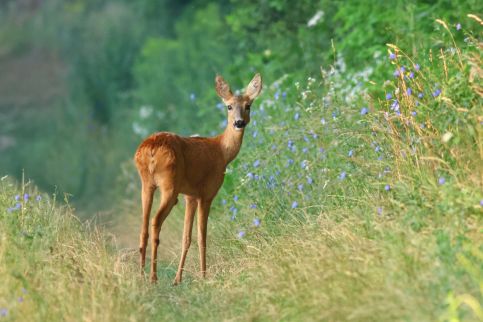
[147, 201]
[169, 197]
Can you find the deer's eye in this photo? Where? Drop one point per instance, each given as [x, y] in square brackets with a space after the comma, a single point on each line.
[230, 107]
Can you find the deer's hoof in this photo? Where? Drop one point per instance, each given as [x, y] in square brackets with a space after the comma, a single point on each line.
[177, 281]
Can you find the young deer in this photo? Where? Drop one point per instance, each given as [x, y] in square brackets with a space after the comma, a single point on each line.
[193, 166]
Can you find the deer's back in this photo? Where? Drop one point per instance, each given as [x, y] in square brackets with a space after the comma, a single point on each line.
[193, 164]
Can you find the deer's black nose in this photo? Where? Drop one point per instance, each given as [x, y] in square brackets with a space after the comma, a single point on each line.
[239, 124]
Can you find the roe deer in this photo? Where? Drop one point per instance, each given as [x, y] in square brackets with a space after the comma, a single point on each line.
[193, 166]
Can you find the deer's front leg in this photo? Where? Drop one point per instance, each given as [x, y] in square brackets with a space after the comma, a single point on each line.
[203, 212]
[188, 226]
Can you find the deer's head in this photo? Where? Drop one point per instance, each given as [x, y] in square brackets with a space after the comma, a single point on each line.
[238, 106]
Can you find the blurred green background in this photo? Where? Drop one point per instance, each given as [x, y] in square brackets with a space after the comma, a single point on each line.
[83, 81]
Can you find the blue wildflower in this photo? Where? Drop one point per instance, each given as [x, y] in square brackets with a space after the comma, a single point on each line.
[409, 91]
[342, 175]
[387, 187]
[306, 139]
[481, 202]
[295, 204]
[300, 187]
[290, 162]
[388, 96]
[253, 206]
[256, 164]
[296, 116]
[392, 56]
[442, 180]
[17, 198]
[256, 222]
[38, 198]
[411, 75]
[351, 153]
[192, 96]
[413, 113]
[310, 180]
[395, 105]
[250, 175]
[223, 202]
[235, 197]
[3, 312]
[417, 67]
[276, 95]
[322, 121]
[437, 92]
[305, 150]
[284, 95]
[364, 111]
[241, 234]
[255, 133]
[396, 73]
[334, 115]
[420, 95]
[458, 26]
[304, 164]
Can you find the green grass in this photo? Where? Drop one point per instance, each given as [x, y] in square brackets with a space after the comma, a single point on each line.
[340, 247]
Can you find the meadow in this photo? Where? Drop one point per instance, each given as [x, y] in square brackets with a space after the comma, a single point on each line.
[357, 194]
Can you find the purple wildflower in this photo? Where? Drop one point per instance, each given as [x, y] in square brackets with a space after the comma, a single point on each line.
[411, 75]
[387, 187]
[3, 312]
[420, 95]
[235, 197]
[295, 204]
[364, 111]
[437, 92]
[409, 91]
[388, 96]
[241, 234]
[256, 164]
[392, 56]
[256, 222]
[253, 206]
[351, 153]
[458, 26]
[300, 187]
[417, 67]
[310, 180]
[442, 180]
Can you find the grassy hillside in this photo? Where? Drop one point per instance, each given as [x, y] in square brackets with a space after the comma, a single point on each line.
[356, 196]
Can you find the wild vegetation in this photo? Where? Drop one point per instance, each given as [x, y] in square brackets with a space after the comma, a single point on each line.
[357, 194]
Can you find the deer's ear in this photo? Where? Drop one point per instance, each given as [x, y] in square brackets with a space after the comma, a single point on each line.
[254, 88]
[222, 88]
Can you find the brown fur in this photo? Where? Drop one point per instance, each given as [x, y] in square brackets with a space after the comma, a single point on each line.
[192, 166]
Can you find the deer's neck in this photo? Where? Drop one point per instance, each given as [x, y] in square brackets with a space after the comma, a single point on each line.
[230, 142]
